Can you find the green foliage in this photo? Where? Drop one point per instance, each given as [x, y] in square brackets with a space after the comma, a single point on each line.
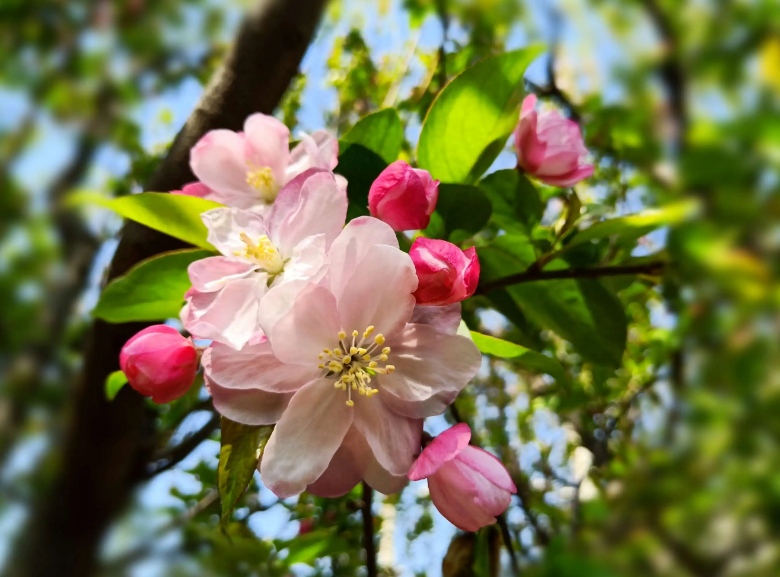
[239, 453]
[522, 356]
[114, 383]
[380, 132]
[516, 202]
[469, 122]
[152, 290]
[360, 166]
[462, 208]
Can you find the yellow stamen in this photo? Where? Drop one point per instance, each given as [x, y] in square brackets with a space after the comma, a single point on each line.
[379, 339]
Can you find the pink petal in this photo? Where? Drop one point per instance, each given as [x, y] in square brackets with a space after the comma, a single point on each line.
[267, 145]
[310, 204]
[351, 246]
[444, 319]
[345, 468]
[399, 197]
[489, 498]
[577, 175]
[489, 467]
[393, 438]
[278, 301]
[305, 438]
[453, 494]
[434, 405]
[443, 448]
[309, 326]
[320, 150]
[380, 294]
[256, 367]
[428, 363]
[218, 162]
[381, 480]
[529, 103]
[225, 226]
[212, 273]
[308, 261]
[558, 164]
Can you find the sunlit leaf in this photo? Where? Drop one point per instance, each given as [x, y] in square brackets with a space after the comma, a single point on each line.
[380, 132]
[471, 119]
[360, 166]
[526, 358]
[463, 207]
[153, 290]
[114, 383]
[515, 200]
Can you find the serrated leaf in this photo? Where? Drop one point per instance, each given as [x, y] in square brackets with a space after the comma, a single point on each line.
[114, 383]
[240, 451]
[526, 358]
[380, 132]
[150, 291]
[471, 119]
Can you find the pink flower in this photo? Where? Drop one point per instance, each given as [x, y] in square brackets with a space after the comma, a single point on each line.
[289, 243]
[468, 485]
[159, 363]
[361, 376]
[247, 169]
[550, 147]
[446, 274]
[403, 197]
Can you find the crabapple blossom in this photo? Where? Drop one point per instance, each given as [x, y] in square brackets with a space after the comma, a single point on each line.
[468, 485]
[248, 169]
[446, 274]
[549, 147]
[159, 363]
[289, 243]
[403, 197]
[359, 375]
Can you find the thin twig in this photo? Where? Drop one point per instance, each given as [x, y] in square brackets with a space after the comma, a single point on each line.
[507, 536]
[532, 275]
[441, 9]
[368, 530]
[177, 454]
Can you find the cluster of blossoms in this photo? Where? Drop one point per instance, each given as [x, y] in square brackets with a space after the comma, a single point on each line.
[329, 332]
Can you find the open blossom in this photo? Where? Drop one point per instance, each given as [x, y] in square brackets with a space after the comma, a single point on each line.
[289, 243]
[159, 363]
[361, 376]
[403, 197]
[550, 147]
[248, 169]
[446, 273]
[468, 485]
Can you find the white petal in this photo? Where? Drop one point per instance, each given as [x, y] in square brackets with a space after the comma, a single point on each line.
[212, 273]
[226, 225]
[307, 261]
[218, 162]
[444, 319]
[306, 438]
[393, 438]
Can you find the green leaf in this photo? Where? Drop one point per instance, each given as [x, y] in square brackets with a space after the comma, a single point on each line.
[360, 166]
[114, 383]
[526, 358]
[471, 119]
[463, 207]
[582, 311]
[380, 132]
[240, 451]
[635, 225]
[516, 202]
[176, 215]
[152, 290]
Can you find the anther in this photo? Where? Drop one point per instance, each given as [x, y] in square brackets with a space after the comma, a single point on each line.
[350, 403]
[372, 365]
[390, 368]
[346, 360]
[386, 350]
[342, 335]
[354, 333]
[353, 351]
[379, 339]
[383, 357]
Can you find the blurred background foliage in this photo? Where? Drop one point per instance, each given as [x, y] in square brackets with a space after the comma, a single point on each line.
[664, 462]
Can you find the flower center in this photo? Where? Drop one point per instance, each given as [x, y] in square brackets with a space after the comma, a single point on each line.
[263, 252]
[354, 361]
[261, 178]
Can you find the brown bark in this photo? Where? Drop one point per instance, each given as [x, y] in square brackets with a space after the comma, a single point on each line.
[107, 446]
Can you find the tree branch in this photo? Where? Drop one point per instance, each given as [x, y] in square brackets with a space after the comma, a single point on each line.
[175, 455]
[368, 530]
[106, 446]
[510, 547]
[533, 275]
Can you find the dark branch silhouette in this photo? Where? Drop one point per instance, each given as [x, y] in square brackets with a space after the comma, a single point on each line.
[368, 530]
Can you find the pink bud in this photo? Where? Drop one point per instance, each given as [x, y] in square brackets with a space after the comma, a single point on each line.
[445, 273]
[159, 363]
[549, 147]
[468, 485]
[195, 189]
[403, 197]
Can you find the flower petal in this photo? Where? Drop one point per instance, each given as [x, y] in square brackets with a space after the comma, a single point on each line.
[267, 145]
[453, 494]
[305, 438]
[307, 262]
[488, 466]
[428, 363]
[312, 203]
[580, 173]
[212, 273]
[226, 225]
[444, 319]
[278, 301]
[218, 161]
[309, 326]
[380, 292]
[256, 367]
[351, 246]
[393, 438]
[345, 468]
[319, 150]
[489, 498]
[443, 448]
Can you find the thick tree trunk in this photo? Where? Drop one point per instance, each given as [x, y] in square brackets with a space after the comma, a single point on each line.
[106, 446]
